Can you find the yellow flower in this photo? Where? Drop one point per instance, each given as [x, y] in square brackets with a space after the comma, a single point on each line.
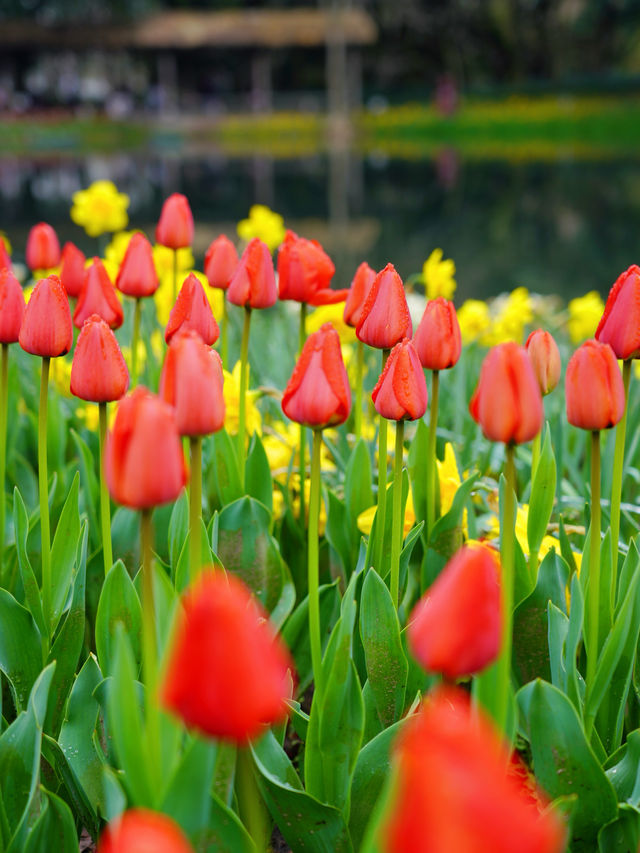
[365, 519]
[331, 314]
[584, 316]
[264, 224]
[522, 520]
[61, 375]
[474, 319]
[449, 479]
[514, 312]
[253, 421]
[438, 276]
[89, 413]
[117, 247]
[278, 503]
[163, 258]
[100, 208]
[280, 441]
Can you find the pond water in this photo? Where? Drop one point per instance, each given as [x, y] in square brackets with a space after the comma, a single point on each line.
[564, 226]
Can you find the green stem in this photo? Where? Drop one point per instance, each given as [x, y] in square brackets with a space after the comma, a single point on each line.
[105, 508]
[244, 359]
[398, 520]
[535, 455]
[432, 467]
[357, 418]
[195, 506]
[175, 275]
[507, 559]
[253, 812]
[134, 342]
[313, 564]
[382, 483]
[616, 483]
[43, 481]
[4, 393]
[302, 337]
[224, 343]
[149, 648]
[593, 592]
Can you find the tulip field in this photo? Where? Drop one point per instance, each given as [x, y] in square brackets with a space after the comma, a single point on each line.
[290, 563]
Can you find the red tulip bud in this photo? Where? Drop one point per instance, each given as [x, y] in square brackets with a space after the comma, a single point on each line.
[98, 296]
[43, 248]
[137, 275]
[385, 318]
[437, 338]
[175, 227]
[318, 393]
[305, 272]
[254, 284]
[72, 270]
[11, 306]
[228, 672]
[220, 262]
[593, 387]
[143, 460]
[620, 324]
[507, 402]
[192, 312]
[545, 358]
[358, 292]
[141, 831]
[46, 328]
[401, 391]
[98, 370]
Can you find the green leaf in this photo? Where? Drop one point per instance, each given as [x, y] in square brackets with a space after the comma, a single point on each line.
[90, 492]
[542, 495]
[63, 552]
[187, 795]
[418, 453]
[73, 791]
[222, 476]
[54, 829]
[29, 582]
[622, 834]
[183, 566]
[20, 648]
[125, 535]
[258, 483]
[623, 770]
[178, 529]
[119, 605]
[358, 494]
[446, 536]
[338, 533]
[295, 631]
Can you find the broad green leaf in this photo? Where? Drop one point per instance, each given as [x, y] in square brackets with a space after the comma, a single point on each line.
[54, 828]
[295, 631]
[358, 494]
[63, 552]
[29, 582]
[558, 623]
[119, 605]
[622, 834]
[20, 648]
[187, 794]
[383, 569]
[90, 492]
[258, 483]
[418, 453]
[73, 790]
[125, 535]
[182, 569]
[222, 478]
[623, 770]
[178, 529]
[446, 536]
[575, 682]
[542, 495]
[338, 532]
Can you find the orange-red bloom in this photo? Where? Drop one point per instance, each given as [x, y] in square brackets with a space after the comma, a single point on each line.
[385, 318]
[143, 831]
[620, 324]
[453, 790]
[137, 275]
[358, 292]
[228, 672]
[192, 312]
[401, 391]
[254, 283]
[318, 394]
[11, 306]
[437, 338]
[220, 262]
[43, 248]
[305, 272]
[98, 370]
[72, 269]
[455, 628]
[143, 460]
[175, 227]
[46, 328]
[545, 358]
[191, 382]
[98, 296]
[594, 389]
[507, 402]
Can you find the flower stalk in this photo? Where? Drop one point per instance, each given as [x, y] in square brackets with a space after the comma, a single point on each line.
[105, 509]
[398, 520]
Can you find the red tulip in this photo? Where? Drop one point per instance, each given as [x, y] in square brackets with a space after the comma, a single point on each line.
[220, 262]
[454, 788]
[437, 338]
[5, 260]
[11, 306]
[143, 460]
[455, 629]
[305, 272]
[143, 831]
[98, 370]
[545, 358]
[175, 227]
[593, 387]
[228, 672]
[46, 328]
[72, 270]
[43, 248]
[507, 402]
[137, 275]
[192, 312]
[385, 318]
[358, 292]
[620, 324]
[401, 391]
[254, 284]
[191, 382]
[318, 393]
[98, 296]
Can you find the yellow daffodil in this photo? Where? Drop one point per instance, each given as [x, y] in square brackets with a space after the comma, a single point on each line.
[61, 375]
[513, 313]
[163, 260]
[522, 519]
[449, 479]
[438, 276]
[278, 503]
[474, 318]
[331, 314]
[365, 519]
[263, 223]
[584, 315]
[253, 421]
[280, 441]
[100, 208]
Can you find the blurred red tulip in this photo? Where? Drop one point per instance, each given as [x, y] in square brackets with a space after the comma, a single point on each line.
[455, 628]
[507, 402]
[385, 318]
[11, 306]
[46, 328]
[305, 272]
[358, 292]
[254, 284]
[43, 248]
[143, 460]
[98, 296]
[437, 338]
[192, 312]
[175, 227]
[72, 266]
[143, 831]
[401, 390]
[318, 393]
[594, 389]
[137, 275]
[545, 358]
[228, 672]
[620, 324]
[98, 370]
[220, 262]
